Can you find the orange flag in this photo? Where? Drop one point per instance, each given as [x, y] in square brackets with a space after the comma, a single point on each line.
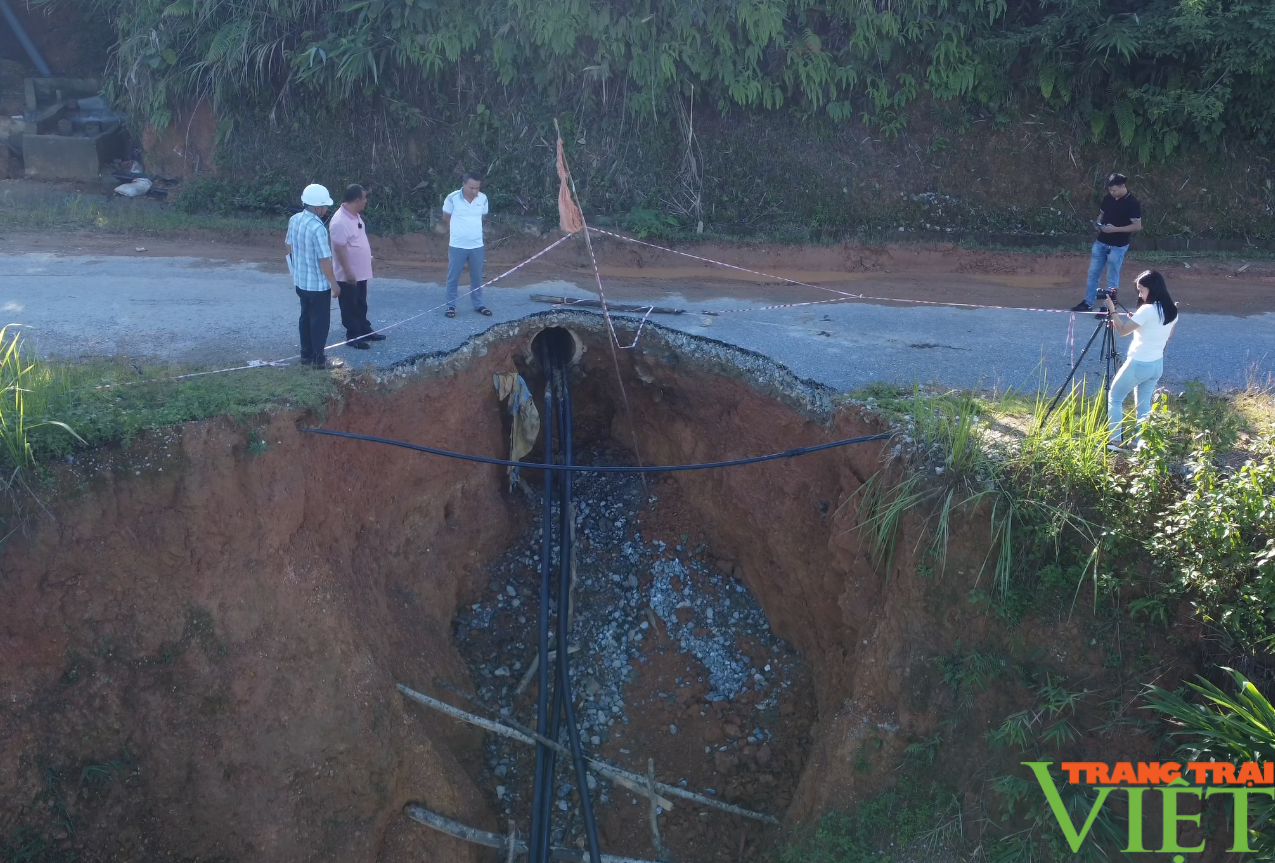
[569, 217]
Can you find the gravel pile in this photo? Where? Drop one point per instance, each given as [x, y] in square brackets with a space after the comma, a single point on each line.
[635, 598]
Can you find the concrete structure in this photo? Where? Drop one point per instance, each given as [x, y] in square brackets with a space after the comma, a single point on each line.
[68, 131]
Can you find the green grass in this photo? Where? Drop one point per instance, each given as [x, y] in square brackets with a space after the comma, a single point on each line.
[1189, 517]
[913, 816]
[118, 215]
[50, 409]
[1188, 521]
[25, 385]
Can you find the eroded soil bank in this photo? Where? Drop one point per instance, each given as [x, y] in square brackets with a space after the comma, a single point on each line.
[201, 650]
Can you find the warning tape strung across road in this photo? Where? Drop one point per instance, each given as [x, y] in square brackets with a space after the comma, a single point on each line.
[257, 364]
[602, 298]
[845, 296]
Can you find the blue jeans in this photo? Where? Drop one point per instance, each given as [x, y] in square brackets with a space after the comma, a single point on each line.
[456, 260]
[1103, 255]
[1133, 375]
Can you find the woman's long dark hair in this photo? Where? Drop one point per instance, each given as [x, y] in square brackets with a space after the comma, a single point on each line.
[1158, 293]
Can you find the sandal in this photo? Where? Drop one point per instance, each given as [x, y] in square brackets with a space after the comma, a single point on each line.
[484, 311]
[451, 313]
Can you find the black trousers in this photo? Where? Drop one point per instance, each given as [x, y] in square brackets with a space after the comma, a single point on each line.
[316, 318]
[353, 302]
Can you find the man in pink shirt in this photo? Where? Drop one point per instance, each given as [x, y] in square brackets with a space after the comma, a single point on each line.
[352, 260]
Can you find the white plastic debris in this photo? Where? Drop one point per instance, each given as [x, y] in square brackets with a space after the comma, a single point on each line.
[135, 188]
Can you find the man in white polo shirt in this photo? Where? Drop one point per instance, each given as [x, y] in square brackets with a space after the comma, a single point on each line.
[463, 213]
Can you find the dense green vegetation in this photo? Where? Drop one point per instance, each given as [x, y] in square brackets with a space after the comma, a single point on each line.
[794, 120]
[1190, 516]
[1150, 73]
[1184, 528]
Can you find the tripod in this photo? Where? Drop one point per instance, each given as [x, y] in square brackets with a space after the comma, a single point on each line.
[1107, 353]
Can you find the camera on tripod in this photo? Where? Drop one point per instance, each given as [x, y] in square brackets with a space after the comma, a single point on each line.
[1108, 351]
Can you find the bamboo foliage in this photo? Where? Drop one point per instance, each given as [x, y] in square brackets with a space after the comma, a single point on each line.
[1148, 74]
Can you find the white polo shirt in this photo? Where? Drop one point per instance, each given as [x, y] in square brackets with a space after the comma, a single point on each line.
[467, 220]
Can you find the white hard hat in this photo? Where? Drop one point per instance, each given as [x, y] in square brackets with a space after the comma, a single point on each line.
[316, 196]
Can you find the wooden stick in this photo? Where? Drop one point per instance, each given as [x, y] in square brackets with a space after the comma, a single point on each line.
[654, 811]
[512, 844]
[641, 790]
[535, 663]
[517, 731]
[597, 304]
[457, 830]
[457, 713]
[526, 735]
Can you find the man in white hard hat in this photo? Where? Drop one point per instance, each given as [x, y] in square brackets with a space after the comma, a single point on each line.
[310, 261]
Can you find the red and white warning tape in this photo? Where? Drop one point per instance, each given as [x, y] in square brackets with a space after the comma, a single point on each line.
[845, 296]
[257, 364]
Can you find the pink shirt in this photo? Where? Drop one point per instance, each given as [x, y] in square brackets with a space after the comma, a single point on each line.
[348, 233]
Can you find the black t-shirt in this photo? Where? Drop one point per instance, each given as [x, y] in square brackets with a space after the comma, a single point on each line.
[1119, 214]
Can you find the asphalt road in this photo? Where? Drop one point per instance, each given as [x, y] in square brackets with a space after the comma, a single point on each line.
[213, 313]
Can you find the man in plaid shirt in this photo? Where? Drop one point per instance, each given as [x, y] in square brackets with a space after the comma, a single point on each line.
[310, 262]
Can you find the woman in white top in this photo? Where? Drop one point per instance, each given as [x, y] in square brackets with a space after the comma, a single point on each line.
[1151, 324]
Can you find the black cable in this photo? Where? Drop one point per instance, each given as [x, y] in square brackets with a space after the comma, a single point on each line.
[555, 725]
[555, 701]
[564, 600]
[542, 797]
[790, 453]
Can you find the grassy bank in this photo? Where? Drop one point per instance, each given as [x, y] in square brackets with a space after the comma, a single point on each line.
[51, 210]
[50, 411]
[1173, 545]
[1188, 516]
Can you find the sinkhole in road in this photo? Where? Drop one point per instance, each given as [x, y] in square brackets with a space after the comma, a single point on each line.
[220, 629]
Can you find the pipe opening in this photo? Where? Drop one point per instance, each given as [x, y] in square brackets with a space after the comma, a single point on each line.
[557, 345]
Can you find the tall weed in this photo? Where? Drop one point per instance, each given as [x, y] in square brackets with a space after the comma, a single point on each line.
[25, 387]
[1062, 509]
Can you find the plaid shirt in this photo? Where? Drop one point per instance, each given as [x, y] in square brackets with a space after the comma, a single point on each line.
[308, 238]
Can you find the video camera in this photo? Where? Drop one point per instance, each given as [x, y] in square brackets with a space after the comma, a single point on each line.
[1103, 293]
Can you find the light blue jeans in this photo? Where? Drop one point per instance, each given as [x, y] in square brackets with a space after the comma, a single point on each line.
[456, 260]
[1133, 375]
[1101, 256]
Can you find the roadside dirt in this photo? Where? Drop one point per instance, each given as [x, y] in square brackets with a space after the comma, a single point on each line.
[942, 272]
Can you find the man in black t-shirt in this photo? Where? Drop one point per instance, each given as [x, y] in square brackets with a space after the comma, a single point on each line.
[1120, 217]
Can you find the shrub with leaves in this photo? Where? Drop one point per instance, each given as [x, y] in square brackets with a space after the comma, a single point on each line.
[1062, 510]
[1148, 74]
[1239, 727]
[1219, 540]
